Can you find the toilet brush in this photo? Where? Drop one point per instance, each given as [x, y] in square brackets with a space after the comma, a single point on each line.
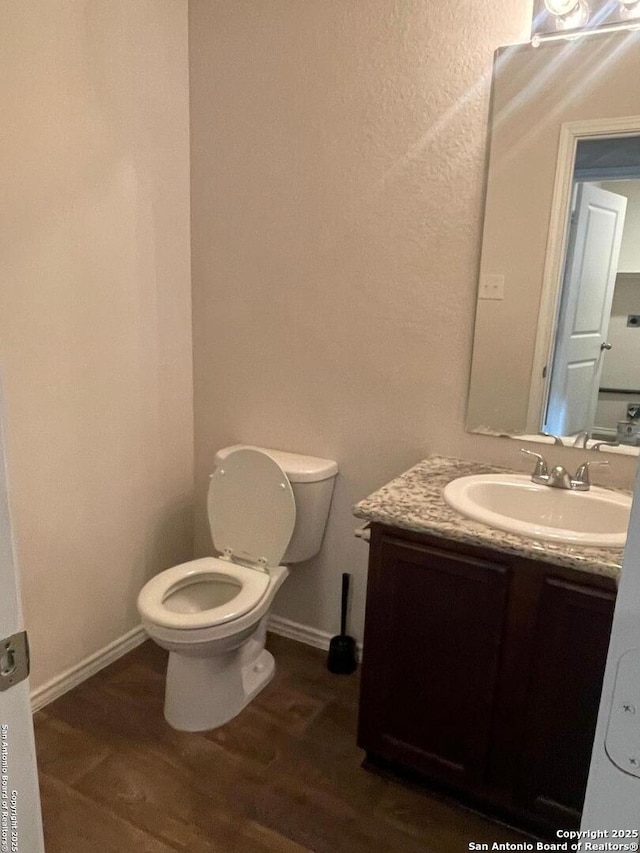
[342, 649]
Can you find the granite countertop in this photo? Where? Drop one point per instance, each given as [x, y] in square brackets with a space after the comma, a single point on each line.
[414, 501]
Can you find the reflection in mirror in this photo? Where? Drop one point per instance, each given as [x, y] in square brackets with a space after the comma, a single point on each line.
[557, 339]
[593, 374]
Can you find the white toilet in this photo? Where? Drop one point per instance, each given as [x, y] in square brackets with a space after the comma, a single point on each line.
[266, 508]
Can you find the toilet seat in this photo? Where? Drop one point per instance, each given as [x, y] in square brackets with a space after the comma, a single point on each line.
[160, 602]
[252, 515]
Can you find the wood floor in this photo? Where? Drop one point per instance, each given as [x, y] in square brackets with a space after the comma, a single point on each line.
[283, 776]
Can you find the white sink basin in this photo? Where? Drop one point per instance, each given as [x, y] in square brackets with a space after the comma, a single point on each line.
[513, 503]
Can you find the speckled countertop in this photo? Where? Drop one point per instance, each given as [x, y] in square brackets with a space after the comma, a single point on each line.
[414, 501]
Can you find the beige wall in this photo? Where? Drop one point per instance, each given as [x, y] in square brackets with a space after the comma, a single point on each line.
[338, 152]
[95, 341]
[630, 249]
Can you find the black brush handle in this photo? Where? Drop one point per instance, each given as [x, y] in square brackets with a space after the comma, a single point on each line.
[345, 599]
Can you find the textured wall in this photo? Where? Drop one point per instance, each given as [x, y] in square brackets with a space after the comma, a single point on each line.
[338, 154]
[95, 316]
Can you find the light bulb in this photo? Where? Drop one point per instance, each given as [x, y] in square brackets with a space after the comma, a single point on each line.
[629, 9]
[560, 8]
[576, 18]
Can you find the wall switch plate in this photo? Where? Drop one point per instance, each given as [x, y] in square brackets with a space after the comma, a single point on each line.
[491, 287]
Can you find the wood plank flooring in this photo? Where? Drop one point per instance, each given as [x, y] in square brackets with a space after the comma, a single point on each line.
[284, 776]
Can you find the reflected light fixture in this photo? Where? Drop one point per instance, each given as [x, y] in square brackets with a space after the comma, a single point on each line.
[554, 19]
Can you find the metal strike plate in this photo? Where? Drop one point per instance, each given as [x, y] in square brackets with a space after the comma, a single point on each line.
[622, 742]
[14, 660]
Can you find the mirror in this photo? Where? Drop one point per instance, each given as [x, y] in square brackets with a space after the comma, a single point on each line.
[557, 335]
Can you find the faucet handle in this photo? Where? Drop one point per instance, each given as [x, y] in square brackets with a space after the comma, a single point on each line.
[541, 470]
[600, 444]
[582, 482]
[556, 438]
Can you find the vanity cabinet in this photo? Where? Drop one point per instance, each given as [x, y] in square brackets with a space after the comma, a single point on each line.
[482, 674]
[567, 661]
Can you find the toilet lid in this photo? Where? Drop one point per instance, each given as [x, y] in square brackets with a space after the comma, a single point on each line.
[252, 511]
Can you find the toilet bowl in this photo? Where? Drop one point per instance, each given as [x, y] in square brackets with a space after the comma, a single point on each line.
[211, 613]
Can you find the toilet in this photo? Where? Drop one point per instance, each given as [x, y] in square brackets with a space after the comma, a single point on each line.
[267, 508]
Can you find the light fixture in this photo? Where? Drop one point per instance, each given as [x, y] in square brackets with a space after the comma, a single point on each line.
[572, 18]
[537, 40]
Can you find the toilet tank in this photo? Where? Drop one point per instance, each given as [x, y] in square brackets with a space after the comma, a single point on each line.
[312, 482]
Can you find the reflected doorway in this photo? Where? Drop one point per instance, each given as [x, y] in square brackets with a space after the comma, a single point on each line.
[593, 374]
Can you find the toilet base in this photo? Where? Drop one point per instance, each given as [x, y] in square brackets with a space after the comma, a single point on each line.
[205, 693]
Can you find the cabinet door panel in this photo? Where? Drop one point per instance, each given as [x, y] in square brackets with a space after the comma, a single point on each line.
[435, 621]
[567, 667]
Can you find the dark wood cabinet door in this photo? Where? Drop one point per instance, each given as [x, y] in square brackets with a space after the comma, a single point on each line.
[434, 627]
[567, 665]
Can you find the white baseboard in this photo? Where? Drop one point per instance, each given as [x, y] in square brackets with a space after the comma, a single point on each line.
[303, 633]
[75, 675]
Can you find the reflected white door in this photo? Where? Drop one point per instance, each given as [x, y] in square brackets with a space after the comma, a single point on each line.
[585, 309]
[20, 817]
[612, 801]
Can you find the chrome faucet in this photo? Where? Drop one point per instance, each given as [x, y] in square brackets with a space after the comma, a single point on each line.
[558, 477]
[581, 439]
[557, 440]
